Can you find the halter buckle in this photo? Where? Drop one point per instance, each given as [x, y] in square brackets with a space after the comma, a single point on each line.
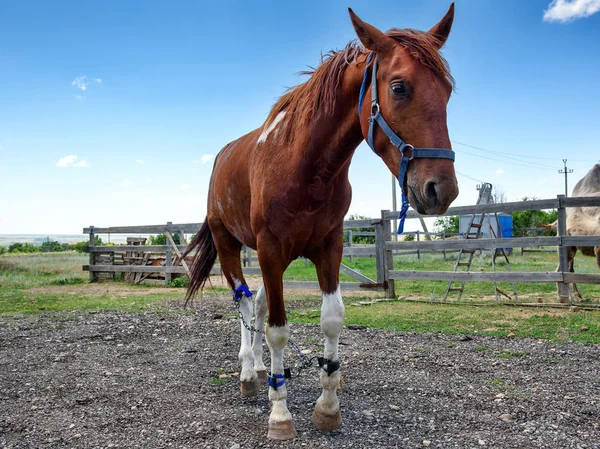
[375, 109]
[411, 148]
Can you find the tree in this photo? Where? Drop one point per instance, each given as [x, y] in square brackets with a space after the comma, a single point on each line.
[449, 225]
[161, 239]
[362, 239]
[533, 219]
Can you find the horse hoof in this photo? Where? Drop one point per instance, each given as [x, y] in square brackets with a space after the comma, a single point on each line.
[326, 423]
[282, 430]
[250, 388]
[262, 376]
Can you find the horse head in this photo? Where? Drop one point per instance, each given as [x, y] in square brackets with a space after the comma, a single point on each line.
[412, 89]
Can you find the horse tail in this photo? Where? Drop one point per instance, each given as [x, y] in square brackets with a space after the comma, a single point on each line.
[551, 225]
[204, 259]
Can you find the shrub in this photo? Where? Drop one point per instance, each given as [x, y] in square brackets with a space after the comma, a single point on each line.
[161, 239]
[181, 282]
[23, 248]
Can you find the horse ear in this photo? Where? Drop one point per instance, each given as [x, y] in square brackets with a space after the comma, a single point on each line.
[441, 30]
[372, 38]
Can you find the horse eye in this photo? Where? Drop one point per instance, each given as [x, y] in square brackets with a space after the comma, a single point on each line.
[399, 89]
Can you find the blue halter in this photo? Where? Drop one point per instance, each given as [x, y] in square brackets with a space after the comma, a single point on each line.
[428, 153]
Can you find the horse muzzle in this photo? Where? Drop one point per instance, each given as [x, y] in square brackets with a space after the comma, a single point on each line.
[434, 197]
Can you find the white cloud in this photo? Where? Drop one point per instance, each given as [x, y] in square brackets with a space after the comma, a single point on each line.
[79, 97]
[500, 172]
[185, 187]
[139, 161]
[72, 161]
[566, 10]
[83, 82]
[205, 158]
[126, 183]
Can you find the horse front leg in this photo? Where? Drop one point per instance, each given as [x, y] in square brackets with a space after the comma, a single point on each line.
[326, 416]
[277, 333]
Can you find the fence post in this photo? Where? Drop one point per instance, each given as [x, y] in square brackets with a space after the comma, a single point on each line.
[444, 238]
[379, 251]
[563, 258]
[91, 246]
[350, 244]
[388, 257]
[418, 240]
[168, 256]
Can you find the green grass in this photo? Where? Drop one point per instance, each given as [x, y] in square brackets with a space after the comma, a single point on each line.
[299, 270]
[497, 320]
[55, 282]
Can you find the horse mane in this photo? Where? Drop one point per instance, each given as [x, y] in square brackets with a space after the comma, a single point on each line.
[318, 93]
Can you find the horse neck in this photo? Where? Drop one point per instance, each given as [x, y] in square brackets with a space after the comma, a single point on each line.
[335, 137]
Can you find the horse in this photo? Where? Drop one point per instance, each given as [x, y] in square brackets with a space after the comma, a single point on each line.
[582, 221]
[283, 190]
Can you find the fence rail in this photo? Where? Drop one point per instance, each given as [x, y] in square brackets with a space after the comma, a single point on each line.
[385, 248]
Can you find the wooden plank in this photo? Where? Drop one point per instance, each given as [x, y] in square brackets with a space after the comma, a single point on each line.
[138, 248]
[582, 278]
[583, 201]
[133, 269]
[355, 274]
[476, 243]
[369, 251]
[581, 240]
[305, 285]
[511, 276]
[487, 208]
[188, 228]
[355, 224]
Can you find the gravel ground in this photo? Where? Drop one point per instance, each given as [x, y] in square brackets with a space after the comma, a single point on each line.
[112, 379]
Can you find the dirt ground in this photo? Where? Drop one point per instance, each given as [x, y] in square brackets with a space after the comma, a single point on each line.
[112, 379]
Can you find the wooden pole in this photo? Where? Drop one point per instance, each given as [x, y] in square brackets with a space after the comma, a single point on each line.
[563, 258]
[388, 264]
[92, 244]
[168, 255]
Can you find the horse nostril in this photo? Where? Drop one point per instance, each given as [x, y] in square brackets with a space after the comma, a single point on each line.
[431, 193]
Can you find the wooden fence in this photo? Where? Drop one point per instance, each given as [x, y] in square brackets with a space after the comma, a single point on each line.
[385, 248]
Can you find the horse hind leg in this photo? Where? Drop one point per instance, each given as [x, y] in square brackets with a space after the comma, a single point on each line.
[228, 249]
[260, 312]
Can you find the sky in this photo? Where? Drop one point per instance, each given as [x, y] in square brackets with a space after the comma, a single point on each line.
[111, 112]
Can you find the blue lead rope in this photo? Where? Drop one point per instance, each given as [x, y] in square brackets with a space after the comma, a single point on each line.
[242, 290]
[376, 118]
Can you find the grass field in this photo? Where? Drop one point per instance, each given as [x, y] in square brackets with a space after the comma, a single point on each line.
[55, 282]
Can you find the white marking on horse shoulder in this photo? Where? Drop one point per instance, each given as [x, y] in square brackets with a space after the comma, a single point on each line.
[271, 127]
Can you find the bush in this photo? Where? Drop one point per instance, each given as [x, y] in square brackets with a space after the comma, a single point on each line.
[361, 239]
[23, 248]
[3, 250]
[84, 247]
[181, 282]
[51, 247]
[161, 239]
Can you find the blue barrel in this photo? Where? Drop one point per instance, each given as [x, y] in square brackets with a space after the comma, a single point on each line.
[506, 227]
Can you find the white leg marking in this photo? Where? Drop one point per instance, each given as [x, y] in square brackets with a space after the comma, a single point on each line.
[260, 312]
[277, 338]
[246, 356]
[271, 127]
[332, 322]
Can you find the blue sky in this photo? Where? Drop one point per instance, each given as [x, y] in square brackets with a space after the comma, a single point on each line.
[111, 112]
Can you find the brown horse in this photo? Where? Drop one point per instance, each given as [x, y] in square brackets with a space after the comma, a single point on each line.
[283, 189]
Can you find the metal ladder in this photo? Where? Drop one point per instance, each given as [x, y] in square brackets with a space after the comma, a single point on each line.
[474, 232]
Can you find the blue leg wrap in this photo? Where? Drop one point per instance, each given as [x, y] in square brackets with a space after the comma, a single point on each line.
[276, 381]
[242, 290]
